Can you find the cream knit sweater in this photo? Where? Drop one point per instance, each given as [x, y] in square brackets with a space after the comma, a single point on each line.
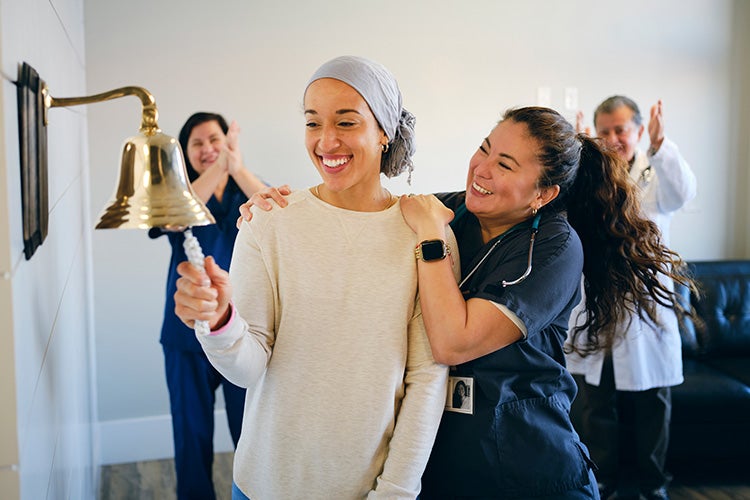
[344, 396]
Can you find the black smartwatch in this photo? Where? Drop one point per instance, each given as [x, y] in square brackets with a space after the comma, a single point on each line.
[429, 250]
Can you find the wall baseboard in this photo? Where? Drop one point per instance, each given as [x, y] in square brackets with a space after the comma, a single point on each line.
[142, 439]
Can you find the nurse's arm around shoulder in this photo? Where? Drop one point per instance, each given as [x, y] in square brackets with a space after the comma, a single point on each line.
[458, 330]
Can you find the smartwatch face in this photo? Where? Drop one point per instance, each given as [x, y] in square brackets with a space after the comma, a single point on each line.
[433, 250]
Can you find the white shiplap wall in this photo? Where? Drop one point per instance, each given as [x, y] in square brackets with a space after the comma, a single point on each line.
[48, 417]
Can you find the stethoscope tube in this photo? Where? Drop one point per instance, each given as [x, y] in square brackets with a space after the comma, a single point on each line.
[534, 231]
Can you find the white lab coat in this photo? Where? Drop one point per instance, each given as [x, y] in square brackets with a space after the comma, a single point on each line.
[645, 359]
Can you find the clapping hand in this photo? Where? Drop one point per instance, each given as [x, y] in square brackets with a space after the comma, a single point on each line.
[580, 127]
[232, 149]
[656, 127]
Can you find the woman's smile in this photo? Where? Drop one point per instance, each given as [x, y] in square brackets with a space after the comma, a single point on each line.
[479, 189]
[210, 158]
[335, 163]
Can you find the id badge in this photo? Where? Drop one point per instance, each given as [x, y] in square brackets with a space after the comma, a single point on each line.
[460, 397]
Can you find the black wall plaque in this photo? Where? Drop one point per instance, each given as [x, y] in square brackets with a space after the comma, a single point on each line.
[32, 134]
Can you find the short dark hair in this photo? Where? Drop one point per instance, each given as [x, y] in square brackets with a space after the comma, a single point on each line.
[192, 122]
[610, 104]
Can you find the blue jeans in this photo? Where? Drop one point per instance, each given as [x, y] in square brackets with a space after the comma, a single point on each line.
[237, 494]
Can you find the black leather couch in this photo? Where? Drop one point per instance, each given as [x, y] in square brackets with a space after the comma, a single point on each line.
[710, 426]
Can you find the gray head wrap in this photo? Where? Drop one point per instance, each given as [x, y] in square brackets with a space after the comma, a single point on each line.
[380, 91]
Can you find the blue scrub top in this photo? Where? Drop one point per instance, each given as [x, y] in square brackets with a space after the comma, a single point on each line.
[216, 240]
[519, 441]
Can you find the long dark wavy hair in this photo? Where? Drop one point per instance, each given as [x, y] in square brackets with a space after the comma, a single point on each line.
[624, 256]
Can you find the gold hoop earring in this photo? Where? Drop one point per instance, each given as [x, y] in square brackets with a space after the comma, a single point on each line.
[534, 210]
[385, 147]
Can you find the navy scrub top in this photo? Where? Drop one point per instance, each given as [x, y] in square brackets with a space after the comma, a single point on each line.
[519, 442]
[216, 240]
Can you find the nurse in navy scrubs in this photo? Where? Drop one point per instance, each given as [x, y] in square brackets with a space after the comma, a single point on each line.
[542, 205]
[214, 165]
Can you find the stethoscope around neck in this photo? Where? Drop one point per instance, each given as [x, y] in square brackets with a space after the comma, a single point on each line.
[461, 210]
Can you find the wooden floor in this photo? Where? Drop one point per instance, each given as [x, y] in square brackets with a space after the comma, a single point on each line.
[155, 481]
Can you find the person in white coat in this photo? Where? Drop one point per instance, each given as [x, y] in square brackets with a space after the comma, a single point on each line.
[628, 386]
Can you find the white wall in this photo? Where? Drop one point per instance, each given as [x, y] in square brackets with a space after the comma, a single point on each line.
[740, 149]
[48, 412]
[459, 64]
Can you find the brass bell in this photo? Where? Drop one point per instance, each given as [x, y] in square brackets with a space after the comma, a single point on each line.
[154, 190]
